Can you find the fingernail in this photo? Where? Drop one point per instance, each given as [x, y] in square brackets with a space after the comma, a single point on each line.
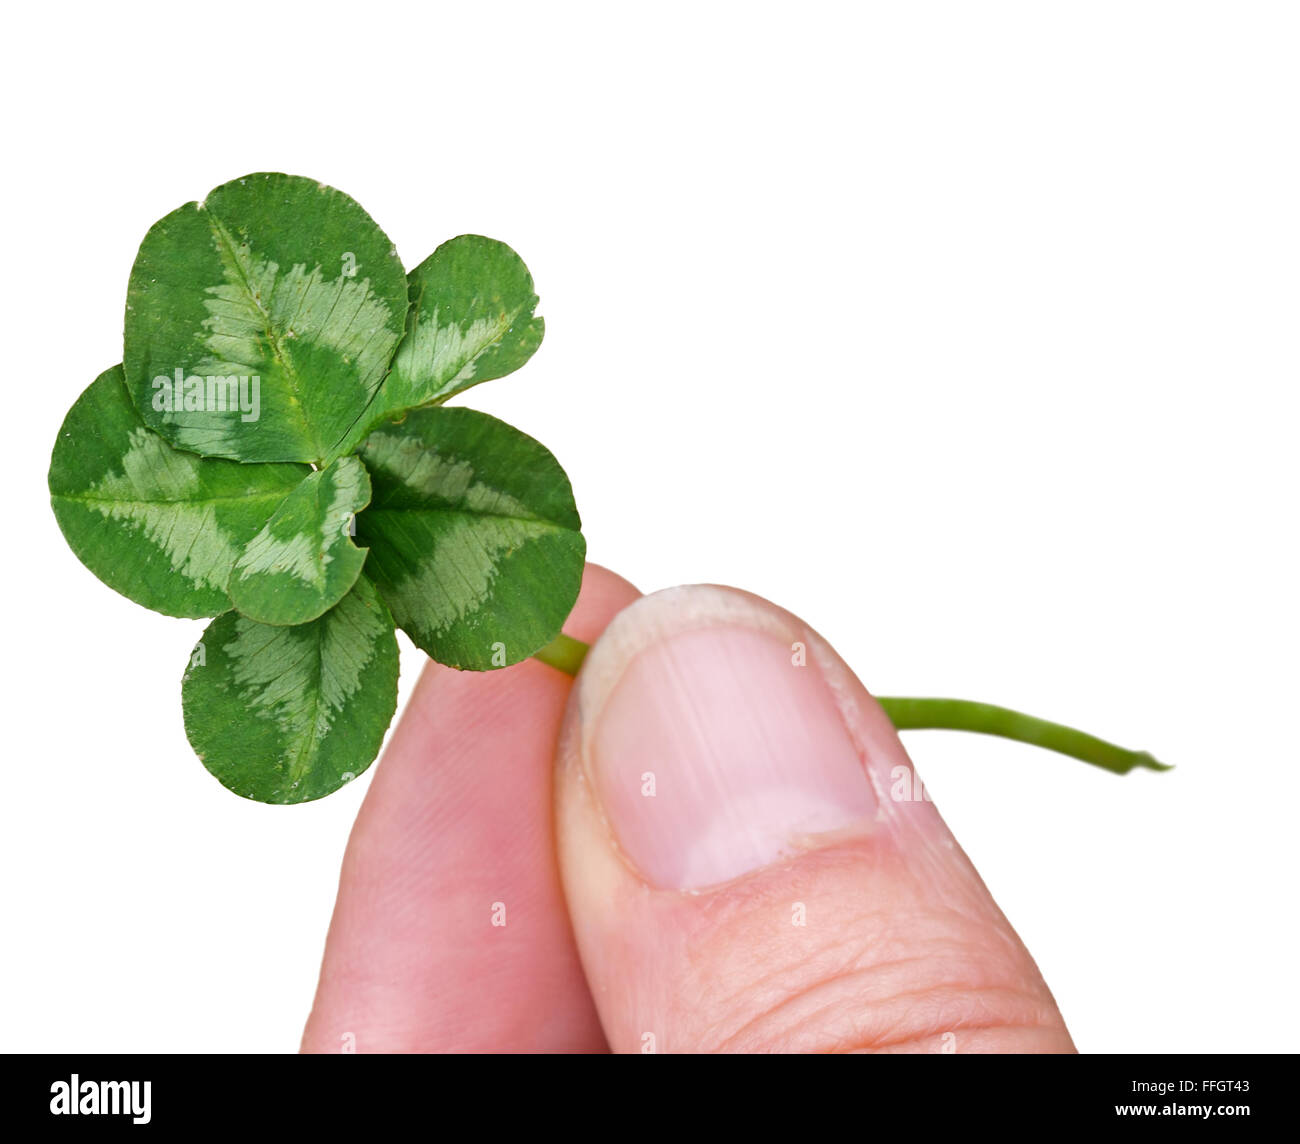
[719, 751]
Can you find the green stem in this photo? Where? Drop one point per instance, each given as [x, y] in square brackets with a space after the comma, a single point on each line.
[567, 654]
[986, 719]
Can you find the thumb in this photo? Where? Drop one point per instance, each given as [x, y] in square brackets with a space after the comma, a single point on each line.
[744, 866]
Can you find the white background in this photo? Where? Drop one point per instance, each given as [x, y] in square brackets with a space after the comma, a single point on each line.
[969, 332]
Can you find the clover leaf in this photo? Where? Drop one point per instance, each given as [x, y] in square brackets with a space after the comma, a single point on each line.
[474, 537]
[303, 562]
[281, 391]
[291, 713]
[471, 320]
[261, 321]
[161, 526]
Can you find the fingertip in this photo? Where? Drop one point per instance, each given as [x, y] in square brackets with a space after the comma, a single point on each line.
[603, 595]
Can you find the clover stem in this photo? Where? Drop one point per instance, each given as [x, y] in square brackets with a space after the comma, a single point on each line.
[564, 653]
[987, 719]
[908, 714]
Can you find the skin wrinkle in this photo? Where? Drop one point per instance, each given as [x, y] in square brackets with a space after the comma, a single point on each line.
[877, 997]
[880, 997]
[942, 952]
[994, 1037]
[830, 1005]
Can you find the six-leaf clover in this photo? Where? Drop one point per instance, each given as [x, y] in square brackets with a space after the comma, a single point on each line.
[274, 451]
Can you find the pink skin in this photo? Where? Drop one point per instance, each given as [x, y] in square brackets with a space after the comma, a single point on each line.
[779, 891]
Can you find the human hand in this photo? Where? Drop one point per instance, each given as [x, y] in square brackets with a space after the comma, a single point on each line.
[712, 859]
